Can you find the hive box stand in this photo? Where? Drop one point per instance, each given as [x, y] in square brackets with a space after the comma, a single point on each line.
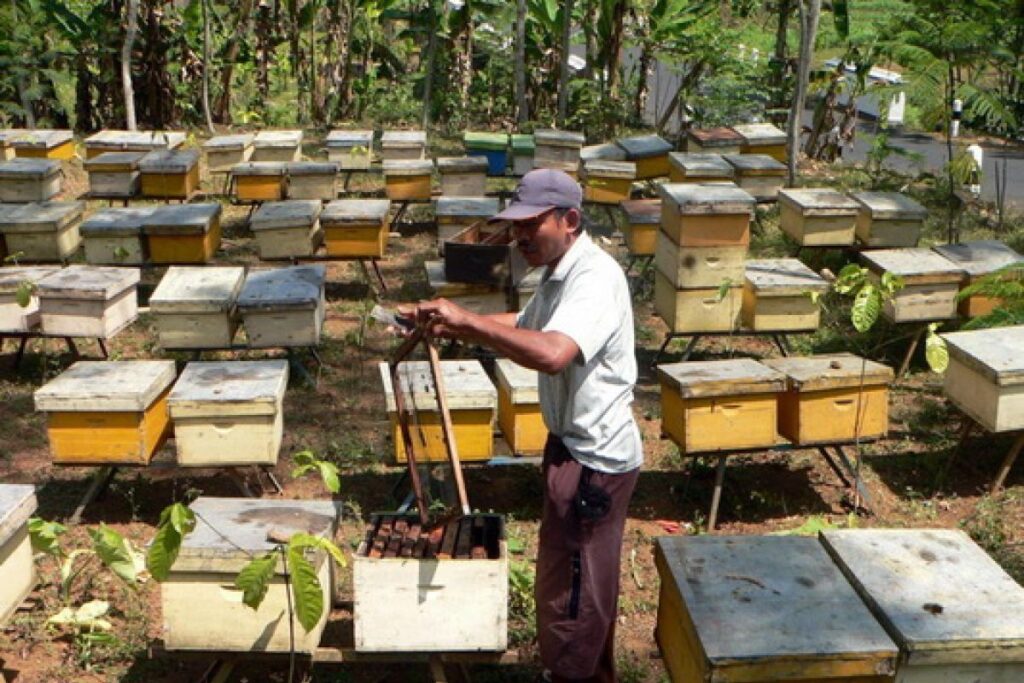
[30, 180]
[477, 297]
[779, 296]
[352, 150]
[408, 179]
[472, 401]
[356, 228]
[491, 146]
[762, 138]
[519, 408]
[463, 176]
[642, 219]
[202, 609]
[17, 570]
[170, 174]
[930, 283]
[88, 301]
[183, 233]
[649, 153]
[763, 609]
[403, 145]
[229, 413]
[13, 316]
[224, 151]
[759, 174]
[194, 307]
[277, 145]
[312, 180]
[47, 232]
[607, 182]
[261, 181]
[114, 236]
[283, 307]
[559, 149]
[287, 229]
[972, 627]
[114, 175]
[978, 259]
[131, 141]
[107, 412]
[888, 219]
[522, 154]
[45, 144]
[692, 167]
[713, 140]
[818, 217]
[985, 377]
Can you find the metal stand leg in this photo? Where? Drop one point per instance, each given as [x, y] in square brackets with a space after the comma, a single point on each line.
[238, 478]
[103, 348]
[915, 340]
[835, 467]
[72, 348]
[219, 672]
[269, 474]
[782, 343]
[1004, 469]
[853, 474]
[716, 496]
[402, 206]
[690, 346]
[21, 352]
[100, 481]
[380, 277]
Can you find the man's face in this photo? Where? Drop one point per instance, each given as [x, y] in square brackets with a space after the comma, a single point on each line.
[544, 240]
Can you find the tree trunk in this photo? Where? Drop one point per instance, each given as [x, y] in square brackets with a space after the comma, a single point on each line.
[341, 37]
[26, 103]
[206, 66]
[264, 47]
[781, 43]
[132, 10]
[222, 107]
[590, 38]
[810, 11]
[428, 81]
[519, 67]
[315, 105]
[618, 21]
[563, 74]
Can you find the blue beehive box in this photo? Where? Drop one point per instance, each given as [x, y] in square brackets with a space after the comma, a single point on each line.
[494, 146]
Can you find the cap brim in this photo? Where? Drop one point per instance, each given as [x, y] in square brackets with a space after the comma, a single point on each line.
[520, 212]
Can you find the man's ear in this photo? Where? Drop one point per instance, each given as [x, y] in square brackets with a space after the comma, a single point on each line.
[574, 220]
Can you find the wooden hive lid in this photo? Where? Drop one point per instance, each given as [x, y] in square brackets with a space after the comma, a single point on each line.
[996, 353]
[642, 211]
[519, 382]
[606, 151]
[35, 169]
[349, 138]
[106, 386]
[490, 141]
[916, 265]
[468, 207]
[135, 140]
[818, 201]
[229, 142]
[114, 162]
[259, 168]
[197, 289]
[42, 139]
[980, 257]
[603, 168]
[720, 136]
[116, 221]
[760, 134]
[294, 213]
[182, 219]
[404, 139]
[735, 377]
[830, 371]
[644, 146]
[278, 138]
[408, 167]
[523, 144]
[707, 199]
[466, 385]
[293, 287]
[11, 277]
[17, 504]
[171, 161]
[761, 604]
[304, 168]
[890, 206]
[756, 164]
[356, 211]
[230, 532]
[101, 283]
[701, 165]
[440, 285]
[938, 594]
[228, 388]
[467, 164]
[50, 216]
[783, 277]
[558, 138]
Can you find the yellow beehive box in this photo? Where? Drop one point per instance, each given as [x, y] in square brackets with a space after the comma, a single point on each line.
[558, 149]
[762, 138]
[930, 283]
[759, 174]
[720, 140]
[972, 630]
[284, 307]
[699, 267]
[13, 316]
[131, 141]
[463, 176]
[113, 237]
[978, 259]
[287, 229]
[704, 215]
[817, 217]
[114, 175]
[17, 570]
[455, 214]
[649, 153]
[642, 219]
[44, 232]
[107, 412]
[229, 413]
[88, 301]
[781, 295]
[45, 144]
[30, 180]
[202, 610]
[833, 398]
[356, 228]
[607, 182]
[763, 609]
[519, 408]
[312, 180]
[7, 135]
[697, 311]
[985, 378]
[259, 181]
[169, 174]
[408, 179]
[720, 405]
[888, 219]
[277, 146]
[224, 151]
[398, 145]
[194, 306]
[352, 150]
[183, 233]
[472, 402]
[693, 167]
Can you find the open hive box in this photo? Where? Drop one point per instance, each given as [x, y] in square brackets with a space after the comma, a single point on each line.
[114, 236]
[643, 216]
[114, 175]
[522, 154]
[194, 307]
[352, 150]
[888, 219]
[259, 181]
[817, 217]
[558, 149]
[30, 180]
[930, 283]
[978, 259]
[44, 144]
[88, 301]
[649, 153]
[780, 295]
[183, 233]
[721, 140]
[408, 179]
[491, 146]
[169, 173]
[693, 167]
[312, 180]
[13, 316]
[474, 255]
[356, 228]
[454, 214]
[17, 570]
[277, 145]
[519, 408]
[287, 229]
[224, 151]
[44, 232]
[483, 298]
[463, 176]
[762, 138]
[985, 377]
[403, 145]
[283, 307]
[607, 182]
[131, 141]
[759, 174]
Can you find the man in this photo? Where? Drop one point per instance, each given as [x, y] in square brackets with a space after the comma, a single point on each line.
[577, 331]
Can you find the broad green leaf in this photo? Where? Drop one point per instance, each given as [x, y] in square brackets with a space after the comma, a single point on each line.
[935, 350]
[306, 589]
[254, 579]
[163, 551]
[891, 283]
[850, 278]
[45, 536]
[69, 570]
[88, 616]
[866, 307]
[329, 473]
[23, 295]
[302, 540]
[181, 518]
[723, 290]
[117, 553]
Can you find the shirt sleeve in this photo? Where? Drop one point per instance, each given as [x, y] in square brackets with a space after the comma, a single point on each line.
[586, 312]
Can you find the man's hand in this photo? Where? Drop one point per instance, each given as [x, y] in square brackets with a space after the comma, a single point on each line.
[441, 318]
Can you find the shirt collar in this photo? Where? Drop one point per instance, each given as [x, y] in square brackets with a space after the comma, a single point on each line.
[569, 259]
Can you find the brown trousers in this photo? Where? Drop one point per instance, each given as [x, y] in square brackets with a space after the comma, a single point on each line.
[577, 586]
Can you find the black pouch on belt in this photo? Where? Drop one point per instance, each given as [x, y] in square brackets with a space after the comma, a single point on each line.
[591, 502]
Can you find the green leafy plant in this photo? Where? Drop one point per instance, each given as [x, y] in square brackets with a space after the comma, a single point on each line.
[1007, 287]
[114, 551]
[306, 462]
[868, 294]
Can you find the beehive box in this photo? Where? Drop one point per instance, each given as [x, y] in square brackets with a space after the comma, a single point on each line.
[524, 290]
[283, 307]
[759, 174]
[403, 145]
[720, 405]
[408, 179]
[454, 214]
[229, 413]
[558, 149]
[169, 174]
[430, 589]
[699, 310]
[224, 151]
[7, 135]
[312, 180]
[476, 297]
[519, 408]
[985, 378]
[17, 570]
[605, 151]
[43, 232]
[691, 167]
[194, 307]
[491, 146]
[817, 217]
[522, 154]
[706, 216]
[763, 609]
[472, 402]
[107, 412]
[30, 180]
[13, 316]
[762, 138]
[888, 219]
[45, 144]
[202, 609]
[114, 175]
[183, 233]
[608, 182]
[719, 140]
[131, 141]
[88, 301]
[277, 145]
[642, 219]
[930, 283]
[114, 236]
[287, 229]
[259, 181]
[463, 176]
[956, 615]
[352, 150]
[356, 228]
[780, 295]
[832, 398]
[475, 256]
[978, 259]
[699, 267]
[649, 152]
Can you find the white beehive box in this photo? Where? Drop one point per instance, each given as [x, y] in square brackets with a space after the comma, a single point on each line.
[114, 236]
[284, 306]
[352, 150]
[955, 614]
[403, 144]
[930, 283]
[455, 214]
[224, 151]
[47, 232]
[694, 167]
[229, 413]
[888, 219]
[13, 316]
[978, 259]
[699, 267]
[780, 295]
[114, 175]
[88, 301]
[985, 378]
[312, 180]
[131, 141]
[759, 174]
[558, 149]
[30, 180]
[194, 306]
[287, 229]
[463, 176]
[477, 297]
[277, 145]
[817, 217]
[356, 228]
[17, 570]
[202, 610]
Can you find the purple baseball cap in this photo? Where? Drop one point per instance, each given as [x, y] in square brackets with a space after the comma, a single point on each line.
[541, 190]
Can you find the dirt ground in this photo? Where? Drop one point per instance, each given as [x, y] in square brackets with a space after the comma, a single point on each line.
[343, 419]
